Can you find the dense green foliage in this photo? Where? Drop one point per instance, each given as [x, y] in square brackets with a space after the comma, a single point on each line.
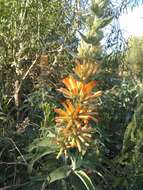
[39, 41]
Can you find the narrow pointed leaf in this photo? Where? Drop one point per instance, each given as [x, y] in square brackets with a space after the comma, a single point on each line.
[85, 179]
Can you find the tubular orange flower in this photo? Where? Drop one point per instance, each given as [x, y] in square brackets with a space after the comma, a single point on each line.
[77, 89]
[79, 138]
[94, 95]
[86, 70]
[74, 115]
[87, 88]
[73, 87]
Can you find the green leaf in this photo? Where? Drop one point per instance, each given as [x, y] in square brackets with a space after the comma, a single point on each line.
[38, 155]
[103, 22]
[76, 183]
[85, 179]
[59, 173]
[129, 134]
[94, 39]
[44, 142]
[41, 148]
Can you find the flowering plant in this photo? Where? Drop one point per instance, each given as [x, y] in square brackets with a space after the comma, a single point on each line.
[74, 120]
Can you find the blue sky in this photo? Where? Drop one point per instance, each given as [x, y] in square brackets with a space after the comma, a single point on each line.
[132, 22]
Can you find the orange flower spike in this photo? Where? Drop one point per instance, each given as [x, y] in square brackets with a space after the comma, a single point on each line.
[77, 111]
[89, 86]
[65, 115]
[69, 125]
[65, 131]
[76, 88]
[66, 83]
[94, 95]
[86, 115]
[81, 70]
[69, 107]
[76, 116]
[65, 91]
[85, 70]
[78, 68]
[61, 112]
[72, 85]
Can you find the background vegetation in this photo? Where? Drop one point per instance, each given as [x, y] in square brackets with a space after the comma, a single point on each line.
[40, 42]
